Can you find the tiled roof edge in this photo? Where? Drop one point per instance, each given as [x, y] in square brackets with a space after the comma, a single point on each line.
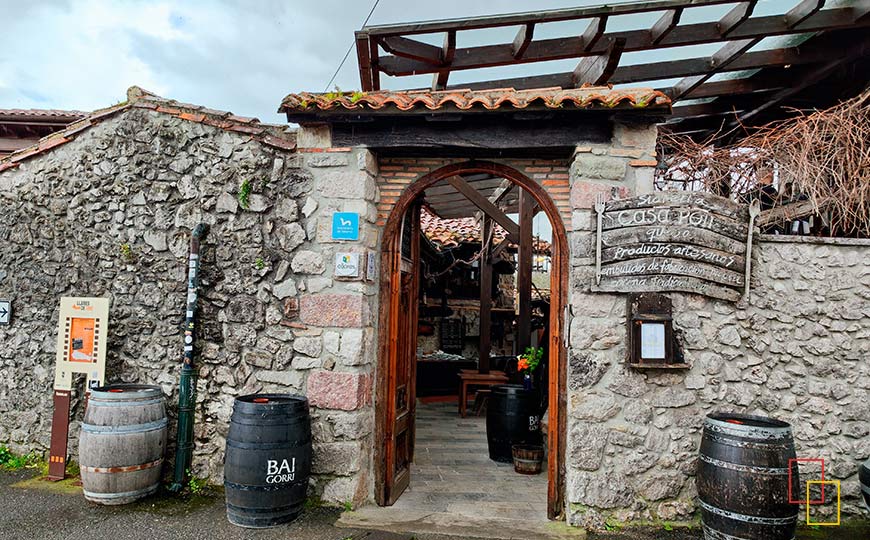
[553, 98]
[269, 134]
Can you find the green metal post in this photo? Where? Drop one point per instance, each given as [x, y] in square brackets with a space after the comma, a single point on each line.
[187, 382]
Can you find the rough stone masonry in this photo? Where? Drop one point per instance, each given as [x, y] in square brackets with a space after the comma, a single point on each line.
[109, 214]
[797, 349]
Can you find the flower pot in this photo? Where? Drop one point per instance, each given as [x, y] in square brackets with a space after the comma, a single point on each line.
[528, 458]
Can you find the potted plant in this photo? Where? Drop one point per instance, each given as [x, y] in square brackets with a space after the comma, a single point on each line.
[527, 363]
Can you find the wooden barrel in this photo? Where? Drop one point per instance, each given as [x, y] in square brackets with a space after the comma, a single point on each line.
[528, 458]
[513, 416]
[122, 442]
[864, 476]
[268, 459]
[742, 480]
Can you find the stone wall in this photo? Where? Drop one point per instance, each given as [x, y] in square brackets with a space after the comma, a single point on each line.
[109, 214]
[796, 350]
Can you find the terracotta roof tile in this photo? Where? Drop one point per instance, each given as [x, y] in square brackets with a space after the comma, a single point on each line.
[450, 233]
[48, 114]
[271, 134]
[553, 98]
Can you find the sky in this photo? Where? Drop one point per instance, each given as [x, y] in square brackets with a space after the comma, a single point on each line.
[242, 56]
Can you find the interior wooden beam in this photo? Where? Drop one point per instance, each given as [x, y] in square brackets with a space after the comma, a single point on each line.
[790, 212]
[665, 24]
[636, 40]
[487, 207]
[500, 247]
[524, 272]
[448, 51]
[736, 17]
[598, 70]
[485, 265]
[523, 38]
[592, 35]
[412, 49]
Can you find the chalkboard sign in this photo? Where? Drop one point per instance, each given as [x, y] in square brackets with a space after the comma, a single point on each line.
[674, 241]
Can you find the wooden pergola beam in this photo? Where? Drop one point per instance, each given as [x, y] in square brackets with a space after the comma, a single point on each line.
[412, 49]
[523, 38]
[802, 11]
[487, 207]
[448, 50]
[593, 33]
[597, 70]
[636, 40]
[665, 25]
[736, 17]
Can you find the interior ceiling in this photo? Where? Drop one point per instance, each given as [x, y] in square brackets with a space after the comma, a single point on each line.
[447, 203]
[726, 64]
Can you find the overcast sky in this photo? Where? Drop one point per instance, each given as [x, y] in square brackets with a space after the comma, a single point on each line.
[236, 55]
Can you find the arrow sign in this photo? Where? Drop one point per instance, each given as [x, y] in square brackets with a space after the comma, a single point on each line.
[5, 311]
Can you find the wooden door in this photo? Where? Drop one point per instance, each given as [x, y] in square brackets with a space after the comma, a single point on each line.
[401, 383]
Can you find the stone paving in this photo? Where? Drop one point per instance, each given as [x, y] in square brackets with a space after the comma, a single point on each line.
[456, 487]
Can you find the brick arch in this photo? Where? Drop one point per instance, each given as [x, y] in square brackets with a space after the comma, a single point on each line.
[396, 174]
[557, 408]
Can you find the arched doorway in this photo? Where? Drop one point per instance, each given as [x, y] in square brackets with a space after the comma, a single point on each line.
[394, 418]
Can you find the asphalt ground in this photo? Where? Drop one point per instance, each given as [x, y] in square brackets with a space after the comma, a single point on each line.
[33, 508]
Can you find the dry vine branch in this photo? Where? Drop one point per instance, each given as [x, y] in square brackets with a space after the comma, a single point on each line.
[823, 156]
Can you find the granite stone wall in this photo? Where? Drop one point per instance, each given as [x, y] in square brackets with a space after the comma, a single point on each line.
[109, 214]
[797, 350]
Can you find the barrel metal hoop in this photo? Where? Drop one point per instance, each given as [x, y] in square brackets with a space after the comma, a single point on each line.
[714, 534]
[262, 487]
[533, 461]
[748, 519]
[753, 432]
[131, 468]
[770, 471]
[134, 428]
[109, 496]
[750, 444]
[128, 403]
[268, 446]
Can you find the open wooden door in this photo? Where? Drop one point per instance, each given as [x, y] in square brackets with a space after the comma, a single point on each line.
[401, 365]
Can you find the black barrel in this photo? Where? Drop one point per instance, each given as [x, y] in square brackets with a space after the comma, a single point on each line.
[743, 474]
[864, 476]
[268, 459]
[513, 416]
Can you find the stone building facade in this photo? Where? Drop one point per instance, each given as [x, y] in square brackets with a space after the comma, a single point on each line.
[105, 208]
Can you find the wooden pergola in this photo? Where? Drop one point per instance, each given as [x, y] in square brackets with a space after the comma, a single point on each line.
[826, 56]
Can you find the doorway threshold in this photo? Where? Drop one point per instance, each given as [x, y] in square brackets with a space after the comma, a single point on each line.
[459, 522]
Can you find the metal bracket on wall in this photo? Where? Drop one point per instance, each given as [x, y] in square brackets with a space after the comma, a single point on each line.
[567, 331]
[754, 210]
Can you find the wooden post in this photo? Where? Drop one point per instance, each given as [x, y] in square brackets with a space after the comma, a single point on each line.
[485, 296]
[524, 271]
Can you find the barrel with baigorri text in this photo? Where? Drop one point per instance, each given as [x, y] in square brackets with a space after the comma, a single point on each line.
[268, 459]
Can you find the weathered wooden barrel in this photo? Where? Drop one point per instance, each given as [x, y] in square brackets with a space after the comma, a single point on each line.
[743, 475]
[513, 416]
[864, 476]
[122, 442]
[268, 459]
[528, 458]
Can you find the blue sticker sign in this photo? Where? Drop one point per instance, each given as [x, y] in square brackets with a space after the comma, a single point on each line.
[345, 226]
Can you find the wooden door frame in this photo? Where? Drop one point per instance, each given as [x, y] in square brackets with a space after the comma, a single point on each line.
[558, 355]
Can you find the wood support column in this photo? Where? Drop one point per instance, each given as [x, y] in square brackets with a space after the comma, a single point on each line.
[485, 295]
[524, 271]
